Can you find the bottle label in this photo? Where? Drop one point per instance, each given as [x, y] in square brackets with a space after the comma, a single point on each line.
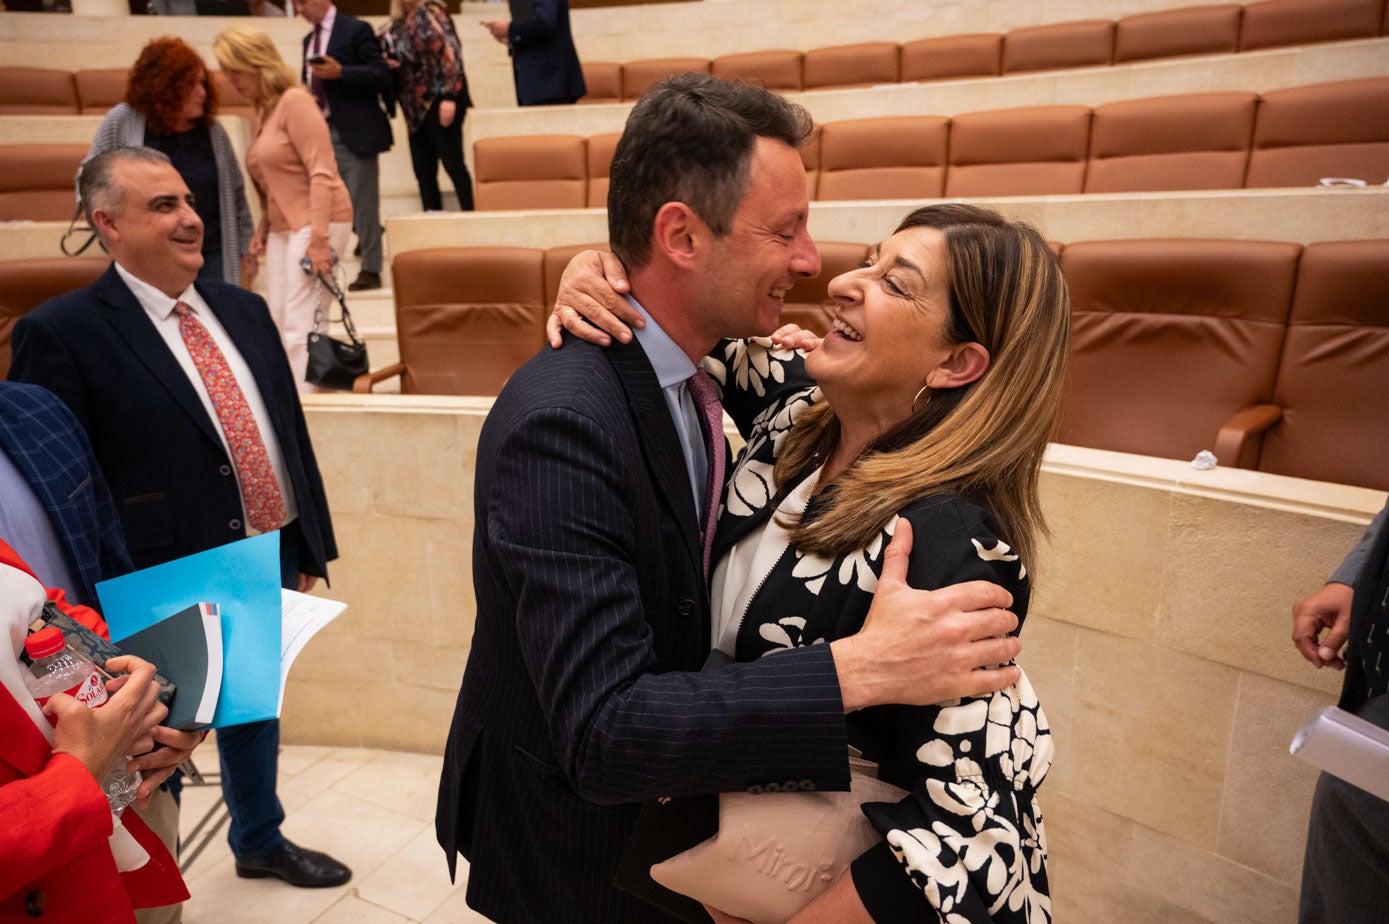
[91, 692]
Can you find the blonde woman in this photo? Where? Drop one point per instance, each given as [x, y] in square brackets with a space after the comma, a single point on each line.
[305, 209]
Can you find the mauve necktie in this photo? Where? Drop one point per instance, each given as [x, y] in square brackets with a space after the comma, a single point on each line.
[260, 491]
[706, 398]
[316, 85]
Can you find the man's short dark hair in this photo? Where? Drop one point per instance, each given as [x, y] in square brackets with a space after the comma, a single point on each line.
[689, 139]
[96, 187]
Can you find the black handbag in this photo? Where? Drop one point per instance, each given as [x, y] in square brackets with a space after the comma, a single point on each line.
[334, 363]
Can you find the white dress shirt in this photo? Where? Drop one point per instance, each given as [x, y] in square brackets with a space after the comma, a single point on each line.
[160, 309]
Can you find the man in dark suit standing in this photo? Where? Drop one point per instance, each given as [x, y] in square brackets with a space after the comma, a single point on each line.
[583, 694]
[346, 73]
[186, 396]
[543, 59]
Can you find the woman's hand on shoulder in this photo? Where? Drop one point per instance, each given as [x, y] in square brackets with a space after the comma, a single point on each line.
[589, 303]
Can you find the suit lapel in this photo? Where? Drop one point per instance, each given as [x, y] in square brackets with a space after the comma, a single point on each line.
[134, 326]
[659, 441]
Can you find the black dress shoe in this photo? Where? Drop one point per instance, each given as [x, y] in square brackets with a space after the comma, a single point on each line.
[365, 280]
[307, 869]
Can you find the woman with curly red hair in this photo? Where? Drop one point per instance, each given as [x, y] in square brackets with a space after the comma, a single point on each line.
[171, 105]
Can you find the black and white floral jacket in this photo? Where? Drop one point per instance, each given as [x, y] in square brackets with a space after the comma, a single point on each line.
[969, 837]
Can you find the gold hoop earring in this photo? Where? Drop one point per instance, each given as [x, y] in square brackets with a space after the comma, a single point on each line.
[929, 394]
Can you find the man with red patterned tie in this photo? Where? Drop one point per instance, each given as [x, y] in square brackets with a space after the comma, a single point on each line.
[187, 397]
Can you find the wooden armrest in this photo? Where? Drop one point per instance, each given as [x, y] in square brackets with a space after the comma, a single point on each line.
[364, 383]
[1238, 443]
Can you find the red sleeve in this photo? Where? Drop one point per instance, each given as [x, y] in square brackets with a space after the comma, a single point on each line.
[83, 614]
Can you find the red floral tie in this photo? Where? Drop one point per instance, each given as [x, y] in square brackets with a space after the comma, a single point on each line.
[260, 491]
[706, 397]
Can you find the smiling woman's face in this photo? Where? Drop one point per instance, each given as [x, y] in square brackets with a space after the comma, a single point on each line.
[891, 316]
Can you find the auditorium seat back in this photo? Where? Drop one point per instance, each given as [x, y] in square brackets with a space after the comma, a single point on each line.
[1170, 339]
[1334, 372]
[37, 91]
[37, 181]
[894, 157]
[1273, 23]
[531, 172]
[602, 82]
[775, 70]
[466, 317]
[1187, 141]
[100, 89]
[864, 64]
[637, 76]
[1187, 30]
[810, 159]
[808, 303]
[1338, 129]
[1084, 43]
[26, 284]
[600, 158]
[229, 99]
[1029, 151]
[951, 57]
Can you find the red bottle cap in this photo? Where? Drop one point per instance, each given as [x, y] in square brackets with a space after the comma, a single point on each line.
[45, 642]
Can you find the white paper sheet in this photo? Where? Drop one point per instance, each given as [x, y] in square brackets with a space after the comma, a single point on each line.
[303, 615]
[1346, 746]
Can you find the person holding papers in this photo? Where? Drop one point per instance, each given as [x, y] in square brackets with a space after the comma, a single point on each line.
[63, 855]
[1345, 872]
[188, 400]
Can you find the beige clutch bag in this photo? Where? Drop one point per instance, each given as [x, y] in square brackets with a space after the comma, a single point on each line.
[775, 852]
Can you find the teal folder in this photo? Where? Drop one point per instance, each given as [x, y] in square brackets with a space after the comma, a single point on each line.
[243, 579]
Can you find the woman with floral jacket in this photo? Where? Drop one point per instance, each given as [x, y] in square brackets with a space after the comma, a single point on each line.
[930, 402]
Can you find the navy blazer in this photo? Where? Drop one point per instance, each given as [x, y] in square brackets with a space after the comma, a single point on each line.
[1367, 610]
[581, 697]
[48, 447]
[543, 58]
[354, 99]
[175, 490]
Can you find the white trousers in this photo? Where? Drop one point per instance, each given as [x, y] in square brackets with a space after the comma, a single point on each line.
[294, 294]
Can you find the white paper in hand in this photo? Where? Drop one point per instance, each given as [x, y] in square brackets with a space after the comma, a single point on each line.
[1346, 746]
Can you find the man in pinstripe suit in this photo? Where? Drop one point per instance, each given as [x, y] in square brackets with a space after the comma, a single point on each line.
[583, 694]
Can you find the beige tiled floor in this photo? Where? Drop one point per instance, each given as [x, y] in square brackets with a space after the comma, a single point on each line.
[373, 810]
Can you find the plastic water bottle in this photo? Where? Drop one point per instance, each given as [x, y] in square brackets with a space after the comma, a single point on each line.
[58, 669]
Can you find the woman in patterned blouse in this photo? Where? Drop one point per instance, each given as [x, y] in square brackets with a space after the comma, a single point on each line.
[930, 402]
[421, 46]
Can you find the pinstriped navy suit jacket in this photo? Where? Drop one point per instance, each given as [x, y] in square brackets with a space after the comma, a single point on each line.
[49, 448]
[581, 697]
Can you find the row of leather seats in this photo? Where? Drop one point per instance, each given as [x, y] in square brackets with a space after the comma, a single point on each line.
[1216, 29]
[46, 91]
[1228, 140]
[1274, 355]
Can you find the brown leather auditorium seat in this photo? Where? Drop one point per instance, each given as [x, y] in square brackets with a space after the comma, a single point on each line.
[466, 319]
[37, 91]
[1171, 339]
[600, 158]
[531, 172]
[864, 64]
[26, 284]
[36, 181]
[1028, 151]
[100, 89]
[1334, 372]
[810, 159]
[1084, 43]
[1186, 141]
[977, 54]
[1187, 30]
[602, 82]
[775, 70]
[1272, 23]
[1338, 129]
[638, 75]
[891, 157]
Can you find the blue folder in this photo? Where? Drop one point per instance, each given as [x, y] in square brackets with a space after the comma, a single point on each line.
[243, 578]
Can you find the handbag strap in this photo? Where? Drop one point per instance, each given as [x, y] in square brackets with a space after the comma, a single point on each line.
[74, 229]
[327, 282]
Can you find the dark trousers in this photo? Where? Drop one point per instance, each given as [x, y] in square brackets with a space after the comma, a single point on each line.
[431, 144]
[1345, 873]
